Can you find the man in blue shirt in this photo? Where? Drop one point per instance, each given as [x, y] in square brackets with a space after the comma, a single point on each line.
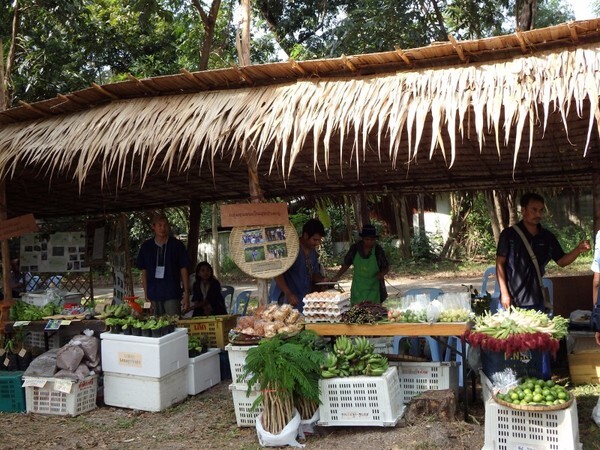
[164, 262]
[300, 279]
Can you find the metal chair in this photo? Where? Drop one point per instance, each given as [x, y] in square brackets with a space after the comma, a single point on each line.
[434, 345]
[241, 300]
[227, 291]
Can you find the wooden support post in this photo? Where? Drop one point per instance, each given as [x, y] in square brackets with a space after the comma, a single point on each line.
[215, 238]
[256, 196]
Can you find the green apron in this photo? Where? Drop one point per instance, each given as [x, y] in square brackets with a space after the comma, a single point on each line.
[365, 284]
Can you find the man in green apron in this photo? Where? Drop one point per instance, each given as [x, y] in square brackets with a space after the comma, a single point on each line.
[370, 267]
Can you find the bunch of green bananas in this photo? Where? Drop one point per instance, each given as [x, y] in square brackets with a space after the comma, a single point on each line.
[119, 311]
[353, 358]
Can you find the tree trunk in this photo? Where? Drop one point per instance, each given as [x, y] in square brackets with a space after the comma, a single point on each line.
[6, 69]
[365, 217]
[421, 212]
[512, 201]
[402, 225]
[526, 12]
[348, 222]
[494, 216]
[461, 205]
[194, 232]
[243, 35]
[215, 241]
[209, 21]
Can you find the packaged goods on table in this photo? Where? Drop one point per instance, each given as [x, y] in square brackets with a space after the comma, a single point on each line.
[267, 322]
[326, 306]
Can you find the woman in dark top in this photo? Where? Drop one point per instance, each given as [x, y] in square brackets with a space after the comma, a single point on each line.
[207, 299]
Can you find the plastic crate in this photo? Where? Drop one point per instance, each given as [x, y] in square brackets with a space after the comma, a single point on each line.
[39, 299]
[384, 345]
[513, 429]
[12, 394]
[145, 393]
[242, 402]
[524, 364]
[362, 400]
[215, 328]
[418, 377]
[60, 397]
[204, 371]
[237, 359]
[35, 339]
[144, 356]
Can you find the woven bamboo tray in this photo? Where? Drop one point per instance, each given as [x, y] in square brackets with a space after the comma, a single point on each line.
[541, 408]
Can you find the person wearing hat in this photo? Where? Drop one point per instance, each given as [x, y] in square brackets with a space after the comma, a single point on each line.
[370, 267]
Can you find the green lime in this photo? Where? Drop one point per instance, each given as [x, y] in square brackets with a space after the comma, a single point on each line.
[550, 398]
[537, 398]
[562, 395]
[550, 383]
[514, 396]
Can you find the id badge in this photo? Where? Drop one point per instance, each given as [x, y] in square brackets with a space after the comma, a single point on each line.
[160, 272]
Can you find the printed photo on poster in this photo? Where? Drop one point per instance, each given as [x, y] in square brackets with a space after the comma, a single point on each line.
[253, 254]
[277, 251]
[275, 233]
[253, 237]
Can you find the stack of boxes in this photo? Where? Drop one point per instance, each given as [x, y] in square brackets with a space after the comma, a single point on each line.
[145, 373]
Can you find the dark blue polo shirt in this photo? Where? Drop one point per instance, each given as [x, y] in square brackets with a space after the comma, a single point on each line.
[521, 275]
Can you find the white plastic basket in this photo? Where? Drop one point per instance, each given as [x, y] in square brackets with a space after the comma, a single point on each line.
[39, 299]
[418, 377]
[237, 359]
[245, 416]
[50, 396]
[362, 400]
[512, 429]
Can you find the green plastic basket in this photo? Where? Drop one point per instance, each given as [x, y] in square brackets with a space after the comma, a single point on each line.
[12, 395]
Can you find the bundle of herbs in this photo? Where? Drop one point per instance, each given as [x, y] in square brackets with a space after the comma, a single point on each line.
[287, 371]
[365, 312]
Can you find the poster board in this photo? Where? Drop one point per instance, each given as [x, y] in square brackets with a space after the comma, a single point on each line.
[54, 253]
[264, 251]
[96, 232]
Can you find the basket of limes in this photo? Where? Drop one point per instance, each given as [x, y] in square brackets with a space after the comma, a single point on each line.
[534, 394]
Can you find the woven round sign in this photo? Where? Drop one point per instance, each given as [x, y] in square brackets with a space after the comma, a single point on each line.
[264, 251]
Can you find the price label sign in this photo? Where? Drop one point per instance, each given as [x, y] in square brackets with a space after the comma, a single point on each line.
[21, 323]
[53, 325]
[63, 386]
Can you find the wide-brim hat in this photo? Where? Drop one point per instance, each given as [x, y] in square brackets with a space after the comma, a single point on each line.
[368, 231]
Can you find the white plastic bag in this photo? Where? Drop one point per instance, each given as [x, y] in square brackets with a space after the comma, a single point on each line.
[308, 426]
[286, 437]
[596, 413]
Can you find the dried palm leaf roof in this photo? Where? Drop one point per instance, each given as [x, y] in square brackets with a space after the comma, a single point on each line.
[503, 112]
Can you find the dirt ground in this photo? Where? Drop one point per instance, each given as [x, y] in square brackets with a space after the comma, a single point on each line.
[207, 421]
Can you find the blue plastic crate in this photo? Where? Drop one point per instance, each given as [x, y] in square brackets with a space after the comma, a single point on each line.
[12, 394]
[532, 363]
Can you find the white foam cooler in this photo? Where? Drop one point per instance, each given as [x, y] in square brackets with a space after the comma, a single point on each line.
[144, 356]
[204, 371]
[145, 393]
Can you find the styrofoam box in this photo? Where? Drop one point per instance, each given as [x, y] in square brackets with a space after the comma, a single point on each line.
[418, 377]
[514, 429]
[145, 356]
[237, 359]
[59, 396]
[145, 393]
[361, 400]
[487, 387]
[37, 299]
[242, 402]
[204, 371]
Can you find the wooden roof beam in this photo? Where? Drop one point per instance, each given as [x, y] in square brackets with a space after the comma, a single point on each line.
[104, 91]
[457, 48]
[244, 78]
[141, 83]
[403, 56]
[297, 67]
[349, 64]
[521, 40]
[190, 76]
[573, 31]
[34, 108]
[71, 98]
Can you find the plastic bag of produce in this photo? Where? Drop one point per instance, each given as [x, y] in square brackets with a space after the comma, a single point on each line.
[89, 344]
[286, 437]
[69, 357]
[67, 374]
[43, 366]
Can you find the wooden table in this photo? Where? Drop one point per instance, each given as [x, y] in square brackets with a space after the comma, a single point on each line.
[75, 327]
[435, 330]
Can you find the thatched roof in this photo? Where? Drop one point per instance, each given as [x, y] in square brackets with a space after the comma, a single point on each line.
[511, 111]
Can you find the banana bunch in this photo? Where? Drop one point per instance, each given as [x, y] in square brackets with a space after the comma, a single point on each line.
[119, 311]
[353, 358]
[376, 365]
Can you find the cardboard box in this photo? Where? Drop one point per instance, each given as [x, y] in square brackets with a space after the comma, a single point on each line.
[584, 361]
